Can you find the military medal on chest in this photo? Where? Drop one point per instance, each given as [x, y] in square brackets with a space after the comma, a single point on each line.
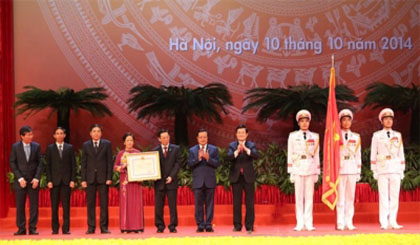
[393, 146]
[350, 149]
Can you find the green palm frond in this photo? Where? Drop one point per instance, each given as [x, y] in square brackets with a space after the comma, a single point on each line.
[208, 101]
[205, 102]
[62, 102]
[34, 100]
[397, 97]
[285, 102]
[183, 103]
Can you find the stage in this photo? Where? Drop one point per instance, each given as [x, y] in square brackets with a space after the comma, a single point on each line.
[273, 222]
[324, 234]
[189, 231]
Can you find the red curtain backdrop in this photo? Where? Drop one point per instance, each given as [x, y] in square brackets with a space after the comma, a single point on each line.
[7, 120]
[263, 195]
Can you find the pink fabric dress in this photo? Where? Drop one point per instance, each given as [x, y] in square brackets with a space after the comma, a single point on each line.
[131, 198]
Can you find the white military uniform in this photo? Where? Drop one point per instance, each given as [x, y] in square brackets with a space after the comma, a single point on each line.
[304, 168]
[388, 164]
[350, 168]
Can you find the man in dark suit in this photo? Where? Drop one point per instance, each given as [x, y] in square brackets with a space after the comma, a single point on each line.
[97, 167]
[241, 153]
[204, 159]
[170, 162]
[61, 171]
[26, 165]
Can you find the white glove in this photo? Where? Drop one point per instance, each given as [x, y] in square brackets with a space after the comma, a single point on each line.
[402, 175]
[375, 175]
[358, 178]
[292, 178]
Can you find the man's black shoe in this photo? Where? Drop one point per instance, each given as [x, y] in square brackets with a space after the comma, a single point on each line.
[209, 229]
[20, 233]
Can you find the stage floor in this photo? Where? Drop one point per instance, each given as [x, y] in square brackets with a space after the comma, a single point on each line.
[189, 231]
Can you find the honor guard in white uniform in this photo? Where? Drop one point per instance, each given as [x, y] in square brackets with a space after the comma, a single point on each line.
[388, 163]
[303, 167]
[350, 168]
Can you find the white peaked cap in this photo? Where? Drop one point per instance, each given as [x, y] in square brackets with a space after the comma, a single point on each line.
[303, 114]
[345, 113]
[387, 112]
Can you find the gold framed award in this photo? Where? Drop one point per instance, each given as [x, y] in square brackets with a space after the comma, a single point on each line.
[143, 166]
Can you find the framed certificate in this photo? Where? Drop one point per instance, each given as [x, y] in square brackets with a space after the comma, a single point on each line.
[143, 166]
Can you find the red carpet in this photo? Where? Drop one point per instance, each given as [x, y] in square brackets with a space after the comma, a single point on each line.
[266, 215]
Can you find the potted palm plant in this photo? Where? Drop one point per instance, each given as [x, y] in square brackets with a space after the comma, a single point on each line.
[62, 102]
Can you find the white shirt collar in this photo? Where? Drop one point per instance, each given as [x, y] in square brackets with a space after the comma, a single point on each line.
[98, 141]
[308, 133]
[24, 144]
[348, 132]
[200, 146]
[163, 146]
[58, 144]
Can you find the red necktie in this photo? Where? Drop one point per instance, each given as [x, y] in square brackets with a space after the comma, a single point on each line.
[165, 148]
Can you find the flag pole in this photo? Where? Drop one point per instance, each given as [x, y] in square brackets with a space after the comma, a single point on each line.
[335, 208]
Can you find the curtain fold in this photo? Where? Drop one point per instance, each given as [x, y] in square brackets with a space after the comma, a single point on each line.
[7, 120]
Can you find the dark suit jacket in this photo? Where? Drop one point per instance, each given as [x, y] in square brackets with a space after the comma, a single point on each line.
[204, 172]
[26, 169]
[242, 161]
[169, 166]
[97, 165]
[60, 170]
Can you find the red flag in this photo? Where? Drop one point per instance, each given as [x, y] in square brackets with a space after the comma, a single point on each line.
[332, 142]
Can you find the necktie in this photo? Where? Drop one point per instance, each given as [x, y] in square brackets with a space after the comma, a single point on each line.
[27, 152]
[60, 150]
[304, 135]
[389, 134]
[96, 147]
[165, 151]
[346, 136]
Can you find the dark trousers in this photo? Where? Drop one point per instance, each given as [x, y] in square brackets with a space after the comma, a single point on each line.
[159, 205]
[203, 196]
[20, 194]
[91, 204]
[249, 203]
[60, 192]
